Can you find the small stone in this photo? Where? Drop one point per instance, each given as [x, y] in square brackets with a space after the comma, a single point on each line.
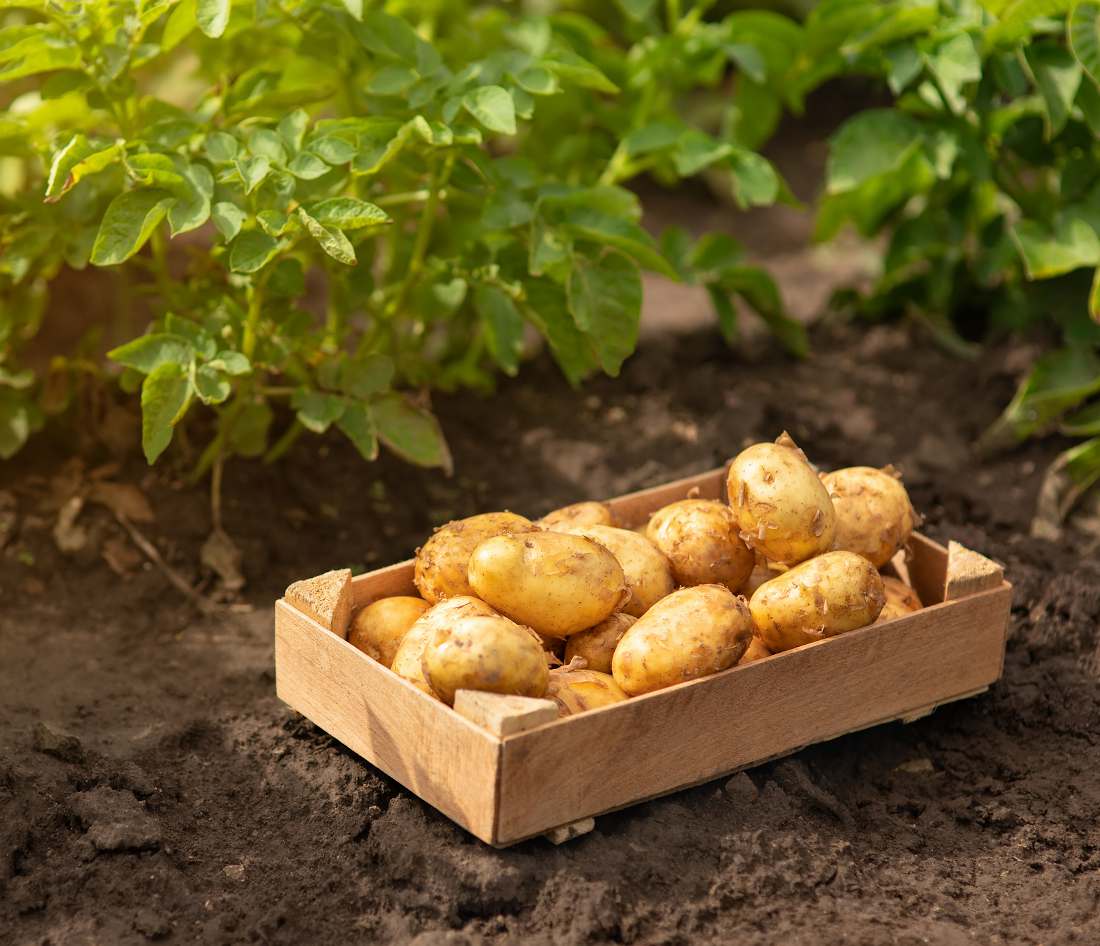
[917, 767]
[234, 872]
[115, 820]
[61, 745]
[741, 789]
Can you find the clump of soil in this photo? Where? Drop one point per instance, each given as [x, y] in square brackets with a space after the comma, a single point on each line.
[152, 787]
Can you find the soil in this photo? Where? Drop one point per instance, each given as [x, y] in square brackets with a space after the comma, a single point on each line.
[152, 787]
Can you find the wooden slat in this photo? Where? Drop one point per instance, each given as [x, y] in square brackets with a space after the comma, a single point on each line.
[927, 568]
[696, 731]
[968, 572]
[431, 750]
[634, 509]
[383, 583]
[504, 715]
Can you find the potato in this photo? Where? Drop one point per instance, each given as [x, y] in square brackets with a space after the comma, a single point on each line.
[873, 514]
[407, 662]
[762, 571]
[648, 572]
[597, 644]
[826, 596]
[578, 516]
[378, 628]
[554, 582]
[577, 691]
[900, 600]
[441, 564]
[699, 537]
[782, 509]
[756, 651]
[691, 633]
[485, 652]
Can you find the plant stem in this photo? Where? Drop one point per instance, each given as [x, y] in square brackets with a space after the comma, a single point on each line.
[252, 319]
[216, 488]
[160, 267]
[285, 442]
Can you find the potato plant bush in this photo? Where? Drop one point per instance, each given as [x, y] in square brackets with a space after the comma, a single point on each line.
[342, 205]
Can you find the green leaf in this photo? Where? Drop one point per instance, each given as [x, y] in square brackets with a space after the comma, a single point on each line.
[220, 147]
[547, 309]
[602, 228]
[1083, 30]
[63, 162]
[228, 218]
[129, 221]
[1058, 75]
[637, 9]
[755, 182]
[605, 298]
[149, 352]
[367, 375]
[873, 143]
[538, 80]
[1082, 423]
[231, 362]
[566, 64]
[307, 166]
[211, 385]
[411, 432]
[248, 431]
[30, 50]
[265, 143]
[503, 326]
[192, 211]
[316, 410]
[333, 242]
[493, 107]
[696, 150]
[348, 213]
[759, 290]
[212, 16]
[251, 250]
[253, 170]
[357, 424]
[181, 21]
[955, 63]
[292, 129]
[19, 418]
[165, 397]
[1073, 243]
[724, 310]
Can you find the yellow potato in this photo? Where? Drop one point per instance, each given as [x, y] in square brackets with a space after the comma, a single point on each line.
[441, 564]
[597, 644]
[700, 538]
[378, 628]
[691, 633]
[762, 571]
[648, 572]
[756, 651]
[826, 596]
[900, 600]
[407, 662]
[873, 514]
[485, 652]
[782, 509]
[578, 516]
[554, 582]
[577, 691]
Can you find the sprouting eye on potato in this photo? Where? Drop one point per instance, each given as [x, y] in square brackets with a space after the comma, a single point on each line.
[648, 572]
[557, 583]
[873, 514]
[826, 596]
[782, 508]
[441, 565]
[700, 539]
[578, 516]
[691, 633]
[379, 628]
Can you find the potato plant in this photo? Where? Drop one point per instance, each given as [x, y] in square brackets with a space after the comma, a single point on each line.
[339, 206]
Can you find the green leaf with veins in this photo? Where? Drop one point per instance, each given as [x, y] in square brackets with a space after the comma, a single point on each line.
[605, 300]
[128, 223]
[165, 396]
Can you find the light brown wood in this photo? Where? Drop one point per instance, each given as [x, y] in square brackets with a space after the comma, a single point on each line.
[968, 572]
[326, 599]
[432, 751]
[504, 785]
[504, 715]
[697, 731]
[569, 831]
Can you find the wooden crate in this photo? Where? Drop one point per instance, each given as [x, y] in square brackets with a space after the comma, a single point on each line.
[543, 776]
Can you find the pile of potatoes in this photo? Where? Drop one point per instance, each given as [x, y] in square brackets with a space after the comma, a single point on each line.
[586, 611]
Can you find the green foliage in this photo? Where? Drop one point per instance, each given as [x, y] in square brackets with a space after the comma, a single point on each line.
[370, 199]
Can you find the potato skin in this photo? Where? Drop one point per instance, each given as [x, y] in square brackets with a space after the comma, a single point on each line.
[407, 661]
[873, 514]
[485, 652]
[578, 516]
[700, 538]
[441, 564]
[826, 596]
[378, 629]
[577, 691]
[648, 572]
[782, 509]
[597, 644]
[691, 633]
[755, 651]
[557, 583]
[900, 600]
[761, 572]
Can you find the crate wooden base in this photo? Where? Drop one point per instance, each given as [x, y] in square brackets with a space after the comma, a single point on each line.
[507, 779]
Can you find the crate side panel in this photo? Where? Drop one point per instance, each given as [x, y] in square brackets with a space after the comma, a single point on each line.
[633, 509]
[427, 747]
[690, 733]
[383, 583]
[927, 568]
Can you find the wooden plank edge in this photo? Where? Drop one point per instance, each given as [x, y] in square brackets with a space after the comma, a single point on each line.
[567, 832]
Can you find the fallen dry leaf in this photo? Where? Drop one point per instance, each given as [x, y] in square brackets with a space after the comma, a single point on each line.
[121, 556]
[123, 499]
[67, 535]
[221, 555]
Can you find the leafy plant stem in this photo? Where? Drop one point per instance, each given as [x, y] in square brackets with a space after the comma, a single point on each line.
[436, 178]
[285, 442]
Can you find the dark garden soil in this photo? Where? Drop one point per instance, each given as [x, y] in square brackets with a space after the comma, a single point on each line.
[152, 787]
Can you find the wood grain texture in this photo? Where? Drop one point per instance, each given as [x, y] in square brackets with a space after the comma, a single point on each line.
[504, 715]
[431, 750]
[699, 730]
[968, 572]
